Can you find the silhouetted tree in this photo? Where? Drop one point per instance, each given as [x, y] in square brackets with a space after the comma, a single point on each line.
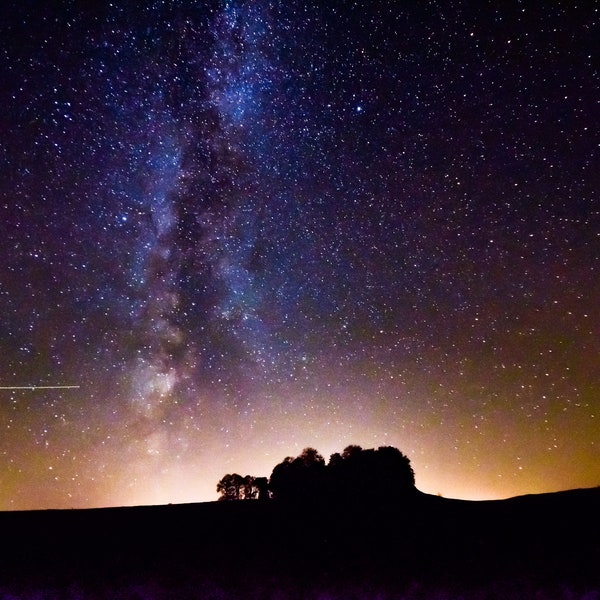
[380, 474]
[281, 481]
[230, 487]
[236, 487]
[395, 467]
[248, 491]
[351, 451]
[334, 460]
[354, 475]
[300, 478]
[261, 485]
[310, 458]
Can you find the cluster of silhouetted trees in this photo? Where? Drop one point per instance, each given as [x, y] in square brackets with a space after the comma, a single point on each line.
[355, 474]
[236, 487]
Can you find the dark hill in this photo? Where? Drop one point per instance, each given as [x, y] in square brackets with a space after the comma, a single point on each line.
[519, 547]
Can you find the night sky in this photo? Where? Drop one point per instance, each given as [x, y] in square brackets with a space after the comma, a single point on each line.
[245, 227]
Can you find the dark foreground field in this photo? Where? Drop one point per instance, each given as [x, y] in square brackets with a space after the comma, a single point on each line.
[543, 546]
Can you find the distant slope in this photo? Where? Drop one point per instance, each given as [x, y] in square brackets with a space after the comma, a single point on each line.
[546, 537]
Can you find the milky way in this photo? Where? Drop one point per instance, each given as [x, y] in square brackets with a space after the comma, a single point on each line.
[244, 228]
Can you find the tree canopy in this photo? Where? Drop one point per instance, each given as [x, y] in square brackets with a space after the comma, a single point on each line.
[299, 478]
[379, 474]
[236, 487]
[356, 474]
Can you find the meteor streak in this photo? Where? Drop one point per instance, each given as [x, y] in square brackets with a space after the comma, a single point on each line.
[39, 387]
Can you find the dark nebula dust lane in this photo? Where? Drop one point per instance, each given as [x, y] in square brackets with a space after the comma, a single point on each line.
[241, 228]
